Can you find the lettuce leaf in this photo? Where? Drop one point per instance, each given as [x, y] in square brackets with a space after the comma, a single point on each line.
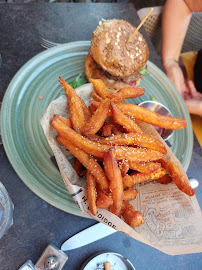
[143, 71]
[80, 80]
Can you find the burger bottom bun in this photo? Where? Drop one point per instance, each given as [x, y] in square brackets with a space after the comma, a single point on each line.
[92, 70]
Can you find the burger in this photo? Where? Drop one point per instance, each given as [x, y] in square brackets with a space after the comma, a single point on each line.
[113, 59]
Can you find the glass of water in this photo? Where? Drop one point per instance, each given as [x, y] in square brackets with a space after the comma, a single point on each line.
[6, 210]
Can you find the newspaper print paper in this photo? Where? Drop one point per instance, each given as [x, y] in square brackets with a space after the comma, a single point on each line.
[173, 220]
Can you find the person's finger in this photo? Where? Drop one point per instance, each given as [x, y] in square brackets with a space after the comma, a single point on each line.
[185, 90]
[186, 96]
[193, 91]
[194, 106]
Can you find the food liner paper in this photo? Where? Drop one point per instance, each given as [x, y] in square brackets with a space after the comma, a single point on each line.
[173, 220]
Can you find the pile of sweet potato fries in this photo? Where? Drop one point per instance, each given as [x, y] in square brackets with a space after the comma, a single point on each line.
[112, 151]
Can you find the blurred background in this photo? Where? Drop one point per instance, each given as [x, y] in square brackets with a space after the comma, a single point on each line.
[137, 3]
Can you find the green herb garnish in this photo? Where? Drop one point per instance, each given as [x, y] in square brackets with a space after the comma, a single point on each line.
[143, 71]
[153, 98]
[80, 80]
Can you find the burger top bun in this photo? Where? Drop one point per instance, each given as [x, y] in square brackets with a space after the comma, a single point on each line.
[111, 51]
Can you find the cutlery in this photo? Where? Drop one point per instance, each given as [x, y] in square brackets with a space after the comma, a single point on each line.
[87, 236]
[47, 44]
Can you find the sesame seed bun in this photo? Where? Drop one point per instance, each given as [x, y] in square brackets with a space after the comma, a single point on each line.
[111, 51]
[94, 71]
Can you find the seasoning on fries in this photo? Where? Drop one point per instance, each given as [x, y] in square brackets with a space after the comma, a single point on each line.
[112, 151]
[97, 119]
[91, 192]
[88, 161]
[152, 118]
[127, 92]
[177, 176]
[144, 167]
[143, 140]
[75, 107]
[127, 123]
[116, 184]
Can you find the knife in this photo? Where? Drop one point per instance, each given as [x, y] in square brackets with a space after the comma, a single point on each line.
[87, 236]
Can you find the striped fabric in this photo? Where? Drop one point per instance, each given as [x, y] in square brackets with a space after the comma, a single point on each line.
[193, 38]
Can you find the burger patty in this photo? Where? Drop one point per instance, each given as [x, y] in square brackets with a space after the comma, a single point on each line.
[134, 77]
[94, 71]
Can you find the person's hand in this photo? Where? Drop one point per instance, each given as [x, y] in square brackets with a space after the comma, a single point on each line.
[193, 99]
[191, 91]
[176, 76]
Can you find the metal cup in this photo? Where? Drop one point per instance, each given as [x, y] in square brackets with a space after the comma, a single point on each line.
[159, 108]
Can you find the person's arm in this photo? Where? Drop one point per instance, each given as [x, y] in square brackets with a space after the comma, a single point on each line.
[175, 21]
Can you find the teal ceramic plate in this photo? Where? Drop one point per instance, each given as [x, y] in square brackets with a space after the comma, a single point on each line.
[32, 89]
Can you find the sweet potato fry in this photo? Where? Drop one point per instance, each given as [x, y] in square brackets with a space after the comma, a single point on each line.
[77, 116]
[88, 162]
[132, 217]
[97, 119]
[95, 104]
[153, 118]
[166, 179]
[177, 176]
[65, 120]
[130, 194]
[100, 88]
[128, 181]
[107, 129]
[143, 177]
[103, 200]
[143, 140]
[123, 166]
[118, 142]
[90, 147]
[98, 150]
[91, 192]
[128, 92]
[116, 185]
[95, 138]
[116, 130]
[123, 120]
[79, 168]
[86, 111]
[136, 154]
[92, 109]
[144, 167]
[96, 97]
